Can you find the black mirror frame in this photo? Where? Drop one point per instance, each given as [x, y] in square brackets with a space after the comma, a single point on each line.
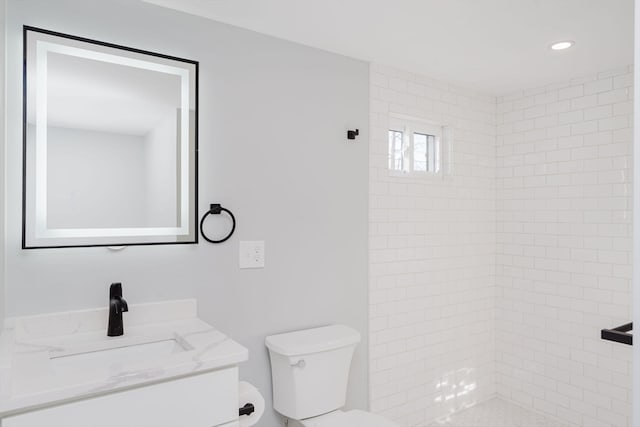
[196, 64]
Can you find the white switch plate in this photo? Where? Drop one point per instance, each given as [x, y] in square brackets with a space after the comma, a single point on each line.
[251, 254]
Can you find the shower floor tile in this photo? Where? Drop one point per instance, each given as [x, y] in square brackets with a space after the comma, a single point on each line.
[498, 413]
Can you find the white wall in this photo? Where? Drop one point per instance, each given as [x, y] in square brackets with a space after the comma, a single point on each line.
[564, 247]
[273, 148]
[2, 160]
[432, 246]
[161, 172]
[95, 179]
[636, 215]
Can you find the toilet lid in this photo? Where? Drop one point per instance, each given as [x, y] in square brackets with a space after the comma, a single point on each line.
[353, 418]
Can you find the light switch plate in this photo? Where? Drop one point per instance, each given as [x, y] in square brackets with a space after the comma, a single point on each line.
[251, 254]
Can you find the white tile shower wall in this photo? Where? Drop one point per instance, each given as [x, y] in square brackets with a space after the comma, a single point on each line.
[564, 248]
[432, 256]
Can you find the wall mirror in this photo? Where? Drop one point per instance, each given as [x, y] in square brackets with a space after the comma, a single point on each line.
[110, 144]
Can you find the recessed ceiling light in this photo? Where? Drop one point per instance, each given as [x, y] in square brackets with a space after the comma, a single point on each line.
[562, 45]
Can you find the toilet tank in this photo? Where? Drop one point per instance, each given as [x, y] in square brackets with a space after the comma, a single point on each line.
[310, 369]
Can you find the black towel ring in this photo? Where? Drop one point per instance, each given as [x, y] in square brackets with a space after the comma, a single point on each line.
[216, 209]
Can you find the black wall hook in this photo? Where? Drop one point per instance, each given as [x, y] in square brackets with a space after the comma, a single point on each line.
[217, 209]
[351, 134]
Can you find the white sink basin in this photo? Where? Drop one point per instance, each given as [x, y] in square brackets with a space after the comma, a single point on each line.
[59, 357]
[117, 356]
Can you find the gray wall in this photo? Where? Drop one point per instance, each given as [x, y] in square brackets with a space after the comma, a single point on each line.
[2, 161]
[273, 149]
[95, 179]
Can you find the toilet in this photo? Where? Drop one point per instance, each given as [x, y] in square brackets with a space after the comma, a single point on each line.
[310, 371]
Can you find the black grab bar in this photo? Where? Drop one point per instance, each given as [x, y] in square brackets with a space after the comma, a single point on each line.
[619, 334]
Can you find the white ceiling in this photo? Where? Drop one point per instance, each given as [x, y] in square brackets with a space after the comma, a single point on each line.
[494, 46]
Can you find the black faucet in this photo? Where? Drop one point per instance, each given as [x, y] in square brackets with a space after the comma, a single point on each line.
[117, 306]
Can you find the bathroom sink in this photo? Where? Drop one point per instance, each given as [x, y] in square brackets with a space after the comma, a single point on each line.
[61, 357]
[117, 355]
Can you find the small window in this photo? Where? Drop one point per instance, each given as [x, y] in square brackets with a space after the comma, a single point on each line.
[397, 153]
[414, 147]
[424, 153]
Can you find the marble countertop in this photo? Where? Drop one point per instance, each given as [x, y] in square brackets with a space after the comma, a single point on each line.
[29, 378]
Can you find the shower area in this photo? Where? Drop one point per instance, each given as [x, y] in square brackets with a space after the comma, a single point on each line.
[492, 275]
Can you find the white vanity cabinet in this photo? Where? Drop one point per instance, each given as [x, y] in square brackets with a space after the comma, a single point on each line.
[204, 400]
[169, 369]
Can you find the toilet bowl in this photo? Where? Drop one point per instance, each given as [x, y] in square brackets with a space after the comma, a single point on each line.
[310, 372]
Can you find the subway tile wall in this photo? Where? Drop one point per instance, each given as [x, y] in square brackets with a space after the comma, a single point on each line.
[563, 262]
[432, 256]
[497, 278]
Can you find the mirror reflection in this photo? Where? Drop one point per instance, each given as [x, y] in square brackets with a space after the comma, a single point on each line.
[110, 144]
